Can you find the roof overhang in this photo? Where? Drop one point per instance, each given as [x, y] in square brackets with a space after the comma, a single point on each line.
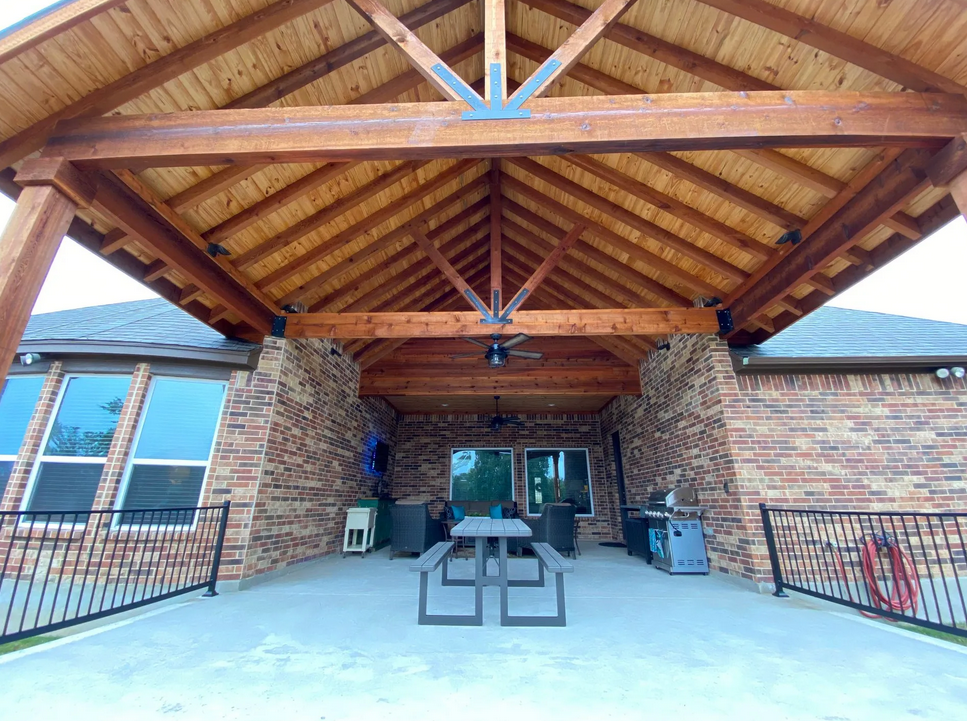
[750, 365]
[235, 360]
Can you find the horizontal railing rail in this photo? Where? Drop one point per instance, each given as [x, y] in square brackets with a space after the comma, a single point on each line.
[897, 565]
[61, 568]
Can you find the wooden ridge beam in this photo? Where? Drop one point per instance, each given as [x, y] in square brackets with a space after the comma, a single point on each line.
[594, 124]
[588, 32]
[838, 44]
[157, 73]
[900, 182]
[674, 207]
[617, 241]
[630, 219]
[330, 245]
[622, 321]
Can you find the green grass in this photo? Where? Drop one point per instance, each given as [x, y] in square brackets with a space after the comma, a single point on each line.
[23, 643]
[959, 640]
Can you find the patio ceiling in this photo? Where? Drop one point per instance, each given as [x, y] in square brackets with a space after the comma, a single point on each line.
[660, 165]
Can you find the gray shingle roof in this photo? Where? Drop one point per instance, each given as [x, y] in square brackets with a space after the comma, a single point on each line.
[140, 322]
[842, 333]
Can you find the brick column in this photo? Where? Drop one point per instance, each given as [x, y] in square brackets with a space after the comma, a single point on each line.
[117, 456]
[30, 447]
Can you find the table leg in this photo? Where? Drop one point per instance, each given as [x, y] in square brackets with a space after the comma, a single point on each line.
[481, 570]
[502, 576]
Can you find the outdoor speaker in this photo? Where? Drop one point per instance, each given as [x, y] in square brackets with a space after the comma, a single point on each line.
[380, 457]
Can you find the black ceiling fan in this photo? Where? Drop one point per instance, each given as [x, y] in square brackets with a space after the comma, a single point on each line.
[497, 352]
[499, 421]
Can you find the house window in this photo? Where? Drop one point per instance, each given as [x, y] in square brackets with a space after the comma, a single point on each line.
[556, 475]
[173, 446]
[481, 474]
[75, 447]
[17, 402]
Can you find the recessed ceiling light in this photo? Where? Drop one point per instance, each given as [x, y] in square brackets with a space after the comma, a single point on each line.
[444, 404]
[551, 405]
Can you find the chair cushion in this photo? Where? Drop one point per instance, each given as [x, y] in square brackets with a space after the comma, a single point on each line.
[458, 513]
[497, 512]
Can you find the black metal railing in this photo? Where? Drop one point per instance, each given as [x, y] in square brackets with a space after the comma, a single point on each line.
[61, 568]
[899, 565]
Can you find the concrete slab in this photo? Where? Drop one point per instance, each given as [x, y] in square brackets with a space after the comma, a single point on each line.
[338, 639]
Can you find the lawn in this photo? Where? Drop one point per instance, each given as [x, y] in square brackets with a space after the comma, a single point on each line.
[23, 643]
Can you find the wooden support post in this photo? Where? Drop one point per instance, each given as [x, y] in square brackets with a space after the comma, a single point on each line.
[495, 48]
[46, 206]
[496, 282]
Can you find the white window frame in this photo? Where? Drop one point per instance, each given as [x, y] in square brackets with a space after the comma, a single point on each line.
[4, 457]
[587, 458]
[41, 458]
[132, 461]
[513, 475]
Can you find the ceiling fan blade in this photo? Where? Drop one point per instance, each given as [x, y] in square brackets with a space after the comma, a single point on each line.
[466, 355]
[516, 340]
[526, 354]
[477, 342]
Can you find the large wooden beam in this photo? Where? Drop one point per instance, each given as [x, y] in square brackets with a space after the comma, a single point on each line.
[896, 186]
[949, 170]
[621, 321]
[496, 283]
[559, 64]
[172, 241]
[448, 270]
[838, 44]
[599, 124]
[27, 248]
[153, 75]
[495, 50]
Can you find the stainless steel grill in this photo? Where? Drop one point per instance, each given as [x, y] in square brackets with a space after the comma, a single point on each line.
[675, 533]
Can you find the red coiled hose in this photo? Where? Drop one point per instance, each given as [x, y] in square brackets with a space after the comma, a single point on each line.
[904, 594]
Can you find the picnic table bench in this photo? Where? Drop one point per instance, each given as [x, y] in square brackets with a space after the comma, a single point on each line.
[434, 558]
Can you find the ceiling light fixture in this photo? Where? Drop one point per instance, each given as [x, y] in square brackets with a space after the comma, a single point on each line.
[551, 405]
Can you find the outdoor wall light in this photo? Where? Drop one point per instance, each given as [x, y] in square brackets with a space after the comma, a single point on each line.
[958, 372]
[942, 373]
[29, 358]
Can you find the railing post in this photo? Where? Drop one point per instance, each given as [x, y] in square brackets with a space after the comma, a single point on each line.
[217, 558]
[773, 552]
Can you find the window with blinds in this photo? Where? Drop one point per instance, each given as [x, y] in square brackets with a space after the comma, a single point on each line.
[76, 444]
[173, 446]
[17, 402]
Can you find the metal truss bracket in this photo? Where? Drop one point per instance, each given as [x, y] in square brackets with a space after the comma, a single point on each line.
[278, 326]
[514, 304]
[511, 111]
[489, 318]
[724, 316]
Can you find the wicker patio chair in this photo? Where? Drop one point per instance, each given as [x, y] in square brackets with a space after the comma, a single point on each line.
[414, 530]
[555, 526]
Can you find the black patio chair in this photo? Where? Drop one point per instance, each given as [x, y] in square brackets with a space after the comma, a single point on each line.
[414, 530]
[555, 527]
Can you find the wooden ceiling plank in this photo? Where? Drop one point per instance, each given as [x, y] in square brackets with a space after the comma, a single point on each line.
[330, 245]
[321, 217]
[48, 23]
[719, 186]
[632, 220]
[691, 121]
[896, 185]
[838, 44]
[661, 50]
[157, 73]
[340, 57]
[581, 72]
[615, 240]
[588, 32]
[211, 186]
[800, 173]
[413, 49]
[545, 268]
[672, 206]
[401, 234]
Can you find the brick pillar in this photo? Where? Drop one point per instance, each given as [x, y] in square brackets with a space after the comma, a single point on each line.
[117, 456]
[30, 447]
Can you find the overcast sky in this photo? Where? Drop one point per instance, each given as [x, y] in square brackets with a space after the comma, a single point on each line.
[926, 282]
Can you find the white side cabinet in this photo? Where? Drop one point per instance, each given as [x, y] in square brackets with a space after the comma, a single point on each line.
[360, 525]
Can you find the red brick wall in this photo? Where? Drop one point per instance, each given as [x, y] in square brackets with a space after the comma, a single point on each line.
[423, 457]
[824, 441]
[317, 450]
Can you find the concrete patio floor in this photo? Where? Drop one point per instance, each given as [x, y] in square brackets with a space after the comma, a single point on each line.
[338, 639]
